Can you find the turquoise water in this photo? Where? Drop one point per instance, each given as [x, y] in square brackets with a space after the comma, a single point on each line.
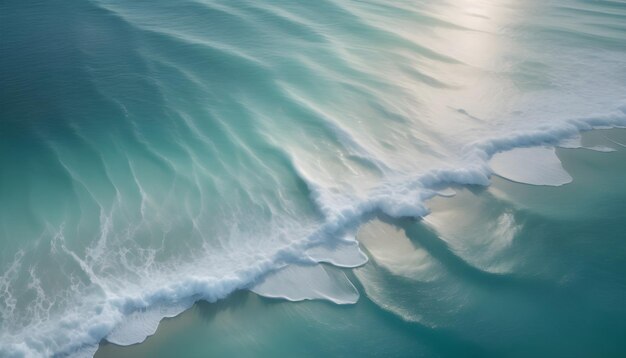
[561, 294]
[158, 154]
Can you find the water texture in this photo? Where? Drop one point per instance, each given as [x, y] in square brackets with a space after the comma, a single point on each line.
[155, 153]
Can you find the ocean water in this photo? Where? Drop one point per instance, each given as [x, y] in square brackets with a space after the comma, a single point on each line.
[244, 154]
[509, 271]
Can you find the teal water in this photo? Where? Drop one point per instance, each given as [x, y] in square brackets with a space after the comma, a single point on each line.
[560, 295]
[157, 154]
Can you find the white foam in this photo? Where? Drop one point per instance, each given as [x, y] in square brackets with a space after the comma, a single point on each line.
[298, 283]
[576, 143]
[140, 324]
[87, 351]
[446, 193]
[536, 166]
[602, 148]
[338, 253]
[571, 143]
[81, 328]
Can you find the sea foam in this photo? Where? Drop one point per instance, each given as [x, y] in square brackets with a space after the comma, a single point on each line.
[285, 274]
[297, 283]
[244, 147]
[536, 165]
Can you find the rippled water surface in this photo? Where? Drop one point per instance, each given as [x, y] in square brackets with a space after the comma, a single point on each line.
[154, 154]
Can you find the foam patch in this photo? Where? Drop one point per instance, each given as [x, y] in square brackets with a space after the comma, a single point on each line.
[341, 254]
[298, 283]
[141, 324]
[535, 166]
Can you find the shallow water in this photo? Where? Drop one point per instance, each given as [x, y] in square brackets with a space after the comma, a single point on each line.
[512, 270]
[153, 155]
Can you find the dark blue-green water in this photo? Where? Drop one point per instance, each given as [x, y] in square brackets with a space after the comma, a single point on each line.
[297, 178]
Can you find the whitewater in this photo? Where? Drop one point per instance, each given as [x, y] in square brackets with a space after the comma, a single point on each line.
[156, 155]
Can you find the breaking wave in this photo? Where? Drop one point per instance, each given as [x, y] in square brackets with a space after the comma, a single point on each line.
[177, 153]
